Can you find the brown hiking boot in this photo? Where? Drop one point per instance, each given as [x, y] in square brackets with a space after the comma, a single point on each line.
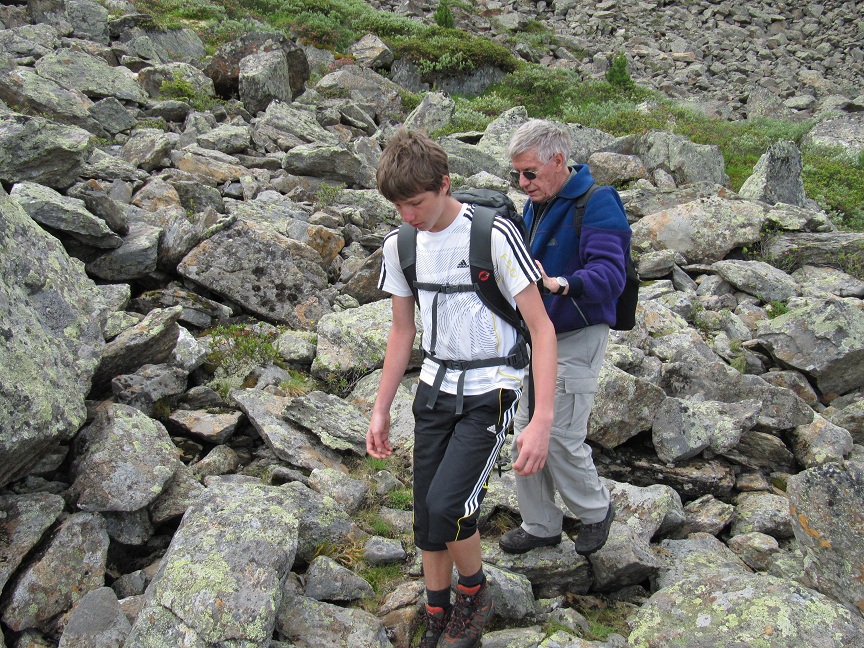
[592, 537]
[436, 621]
[469, 616]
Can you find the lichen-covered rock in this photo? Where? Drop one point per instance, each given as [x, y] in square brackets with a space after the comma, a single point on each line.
[151, 341]
[96, 622]
[221, 580]
[23, 520]
[308, 623]
[52, 337]
[71, 564]
[823, 338]
[825, 503]
[292, 443]
[263, 271]
[730, 609]
[339, 424]
[623, 407]
[124, 459]
[33, 148]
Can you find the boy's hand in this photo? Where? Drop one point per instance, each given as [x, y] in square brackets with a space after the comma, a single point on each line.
[378, 436]
[533, 447]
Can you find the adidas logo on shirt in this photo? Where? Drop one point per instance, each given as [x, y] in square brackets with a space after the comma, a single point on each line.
[462, 264]
[492, 429]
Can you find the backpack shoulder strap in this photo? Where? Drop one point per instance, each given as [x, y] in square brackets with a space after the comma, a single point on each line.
[579, 208]
[482, 269]
[406, 247]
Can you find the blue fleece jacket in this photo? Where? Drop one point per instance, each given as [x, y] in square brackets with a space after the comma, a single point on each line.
[592, 263]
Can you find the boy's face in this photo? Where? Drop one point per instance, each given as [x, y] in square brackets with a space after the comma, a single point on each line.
[425, 210]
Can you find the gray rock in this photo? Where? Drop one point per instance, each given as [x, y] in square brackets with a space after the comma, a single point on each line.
[263, 271]
[23, 521]
[264, 77]
[227, 138]
[829, 280]
[202, 591]
[349, 493]
[292, 443]
[363, 85]
[136, 257]
[99, 203]
[33, 148]
[434, 112]
[845, 134]
[91, 75]
[96, 622]
[755, 549]
[686, 161]
[307, 623]
[327, 580]
[763, 513]
[776, 176]
[623, 407]
[68, 215]
[177, 495]
[338, 423]
[698, 554]
[150, 342]
[123, 461]
[819, 249]
[148, 148]
[71, 564]
[112, 116]
[705, 514]
[51, 316]
[370, 51]
[682, 428]
[224, 65]
[823, 338]
[129, 528]
[825, 511]
[384, 551]
[703, 231]
[719, 608]
[89, 20]
[820, 442]
[335, 163]
[148, 385]
[212, 427]
[151, 79]
[759, 279]
[24, 88]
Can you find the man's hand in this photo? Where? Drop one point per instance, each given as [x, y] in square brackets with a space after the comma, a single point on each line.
[378, 436]
[533, 446]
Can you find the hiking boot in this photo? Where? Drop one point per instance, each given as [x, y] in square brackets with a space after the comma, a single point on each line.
[592, 537]
[470, 614]
[518, 541]
[435, 623]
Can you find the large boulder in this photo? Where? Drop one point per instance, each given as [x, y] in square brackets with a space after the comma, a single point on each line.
[52, 339]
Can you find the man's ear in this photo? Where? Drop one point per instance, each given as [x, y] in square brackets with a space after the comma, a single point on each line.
[445, 185]
[559, 159]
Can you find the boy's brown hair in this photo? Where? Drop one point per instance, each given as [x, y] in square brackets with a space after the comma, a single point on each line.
[411, 164]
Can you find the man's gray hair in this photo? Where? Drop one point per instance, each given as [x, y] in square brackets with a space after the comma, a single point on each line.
[544, 137]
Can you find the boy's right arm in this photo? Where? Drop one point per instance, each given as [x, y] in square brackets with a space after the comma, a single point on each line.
[396, 358]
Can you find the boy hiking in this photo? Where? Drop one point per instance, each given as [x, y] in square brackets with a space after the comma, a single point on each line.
[461, 410]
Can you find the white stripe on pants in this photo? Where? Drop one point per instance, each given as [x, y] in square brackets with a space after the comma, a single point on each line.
[569, 465]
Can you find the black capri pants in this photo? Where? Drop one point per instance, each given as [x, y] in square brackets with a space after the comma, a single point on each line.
[453, 457]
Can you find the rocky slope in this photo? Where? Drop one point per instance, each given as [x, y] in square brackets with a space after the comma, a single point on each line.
[163, 483]
[728, 58]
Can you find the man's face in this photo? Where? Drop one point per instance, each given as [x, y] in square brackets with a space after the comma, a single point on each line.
[424, 210]
[548, 177]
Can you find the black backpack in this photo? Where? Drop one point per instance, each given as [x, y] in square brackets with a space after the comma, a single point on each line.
[625, 307]
[488, 203]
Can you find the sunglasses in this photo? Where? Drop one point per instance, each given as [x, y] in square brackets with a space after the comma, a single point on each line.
[529, 175]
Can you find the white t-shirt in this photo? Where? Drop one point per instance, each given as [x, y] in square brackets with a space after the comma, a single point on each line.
[466, 328]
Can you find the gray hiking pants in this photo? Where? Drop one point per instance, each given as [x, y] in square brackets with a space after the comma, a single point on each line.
[569, 467]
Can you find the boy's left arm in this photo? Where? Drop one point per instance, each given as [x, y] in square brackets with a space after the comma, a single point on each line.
[533, 442]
